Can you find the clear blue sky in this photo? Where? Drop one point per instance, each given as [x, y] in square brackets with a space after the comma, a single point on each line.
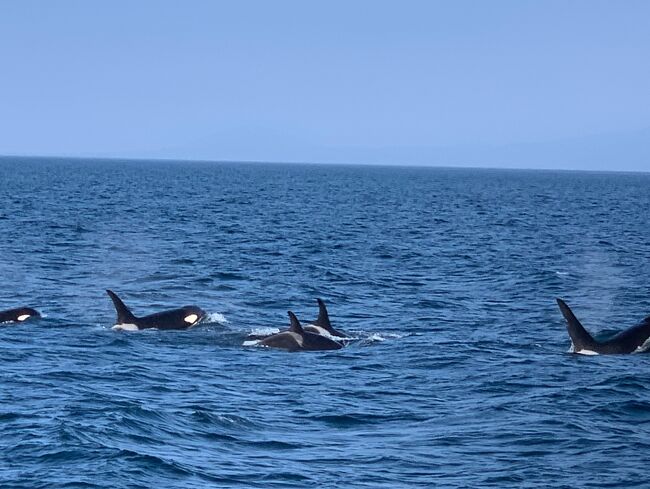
[562, 84]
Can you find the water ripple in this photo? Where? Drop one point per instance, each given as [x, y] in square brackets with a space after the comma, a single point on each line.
[457, 376]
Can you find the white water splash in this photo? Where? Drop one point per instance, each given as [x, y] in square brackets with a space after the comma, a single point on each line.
[378, 337]
[342, 338]
[264, 331]
[216, 317]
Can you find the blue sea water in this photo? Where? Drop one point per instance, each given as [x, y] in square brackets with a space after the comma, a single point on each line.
[459, 376]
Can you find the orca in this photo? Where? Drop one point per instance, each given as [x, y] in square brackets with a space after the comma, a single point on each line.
[297, 339]
[18, 315]
[181, 318]
[322, 325]
[632, 340]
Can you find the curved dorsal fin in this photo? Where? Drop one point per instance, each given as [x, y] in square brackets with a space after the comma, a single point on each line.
[295, 327]
[323, 317]
[581, 339]
[124, 316]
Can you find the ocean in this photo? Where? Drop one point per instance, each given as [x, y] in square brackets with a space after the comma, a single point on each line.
[459, 374]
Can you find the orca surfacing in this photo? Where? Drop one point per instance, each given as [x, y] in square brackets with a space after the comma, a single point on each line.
[181, 318]
[632, 340]
[322, 325]
[18, 315]
[297, 339]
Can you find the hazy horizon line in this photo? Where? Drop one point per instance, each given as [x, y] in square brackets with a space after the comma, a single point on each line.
[136, 159]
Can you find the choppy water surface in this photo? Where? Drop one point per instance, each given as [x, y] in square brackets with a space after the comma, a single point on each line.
[459, 376]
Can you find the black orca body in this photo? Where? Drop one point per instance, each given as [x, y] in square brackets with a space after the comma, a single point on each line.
[18, 315]
[632, 340]
[321, 326]
[182, 318]
[297, 339]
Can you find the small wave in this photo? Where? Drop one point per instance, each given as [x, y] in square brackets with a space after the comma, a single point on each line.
[227, 420]
[348, 420]
[230, 276]
[216, 317]
[273, 445]
[284, 477]
[61, 455]
[379, 337]
[220, 437]
[251, 343]
[151, 462]
[10, 416]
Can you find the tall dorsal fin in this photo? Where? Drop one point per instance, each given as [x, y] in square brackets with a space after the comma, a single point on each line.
[295, 327]
[323, 317]
[124, 316]
[581, 339]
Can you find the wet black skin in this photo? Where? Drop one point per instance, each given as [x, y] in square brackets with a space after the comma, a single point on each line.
[627, 341]
[323, 322]
[172, 319]
[12, 315]
[297, 339]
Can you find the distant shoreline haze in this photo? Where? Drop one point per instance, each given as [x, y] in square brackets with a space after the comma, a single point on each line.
[627, 152]
[500, 84]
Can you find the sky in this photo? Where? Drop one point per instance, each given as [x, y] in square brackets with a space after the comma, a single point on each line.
[527, 84]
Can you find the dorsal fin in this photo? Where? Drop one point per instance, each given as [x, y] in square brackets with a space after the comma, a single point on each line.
[295, 327]
[124, 316]
[581, 339]
[323, 317]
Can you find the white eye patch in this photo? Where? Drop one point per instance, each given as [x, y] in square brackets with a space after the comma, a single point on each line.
[191, 318]
[22, 317]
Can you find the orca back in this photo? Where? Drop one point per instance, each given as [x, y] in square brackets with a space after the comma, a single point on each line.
[317, 342]
[632, 340]
[181, 318]
[297, 339]
[18, 315]
[286, 340]
[323, 322]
